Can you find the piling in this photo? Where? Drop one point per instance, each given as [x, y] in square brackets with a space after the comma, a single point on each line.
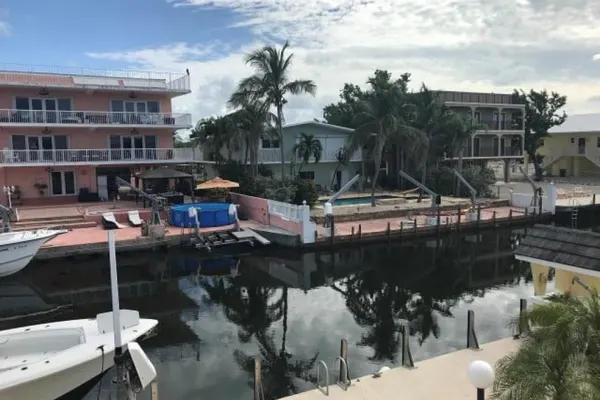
[510, 217]
[458, 215]
[407, 360]
[257, 379]
[472, 342]
[359, 231]
[344, 356]
[154, 389]
[352, 234]
[415, 225]
[389, 232]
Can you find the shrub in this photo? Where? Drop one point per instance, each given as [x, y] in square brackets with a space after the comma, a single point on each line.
[306, 190]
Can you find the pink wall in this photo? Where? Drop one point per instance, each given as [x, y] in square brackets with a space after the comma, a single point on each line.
[26, 177]
[85, 138]
[257, 209]
[82, 100]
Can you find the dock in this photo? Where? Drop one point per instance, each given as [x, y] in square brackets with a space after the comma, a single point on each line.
[443, 377]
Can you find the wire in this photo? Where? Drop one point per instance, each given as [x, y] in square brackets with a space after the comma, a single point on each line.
[101, 348]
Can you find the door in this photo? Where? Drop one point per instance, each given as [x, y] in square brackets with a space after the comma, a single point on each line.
[138, 147]
[338, 180]
[581, 145]
[47, 148]
[127, 145]
[129, 112]
[50, 108]
[33, 145]
[102, 182]
[63, 183]
[37, 109]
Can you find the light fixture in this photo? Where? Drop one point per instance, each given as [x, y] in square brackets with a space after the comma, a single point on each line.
[44, 92]
[46, 131]
[134, 131]
[132, 95]
[481, 375]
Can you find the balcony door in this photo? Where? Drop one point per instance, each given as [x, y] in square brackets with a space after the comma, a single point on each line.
[62, 183]
[132, 147]
[39, 148]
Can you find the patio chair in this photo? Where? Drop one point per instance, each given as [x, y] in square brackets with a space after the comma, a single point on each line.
[110, 222]
[134, 218]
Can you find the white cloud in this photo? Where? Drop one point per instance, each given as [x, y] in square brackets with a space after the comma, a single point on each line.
[5, 27]
[478, 45]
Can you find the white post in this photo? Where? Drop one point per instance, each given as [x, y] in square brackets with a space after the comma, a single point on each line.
[551, 198]
[114, 290]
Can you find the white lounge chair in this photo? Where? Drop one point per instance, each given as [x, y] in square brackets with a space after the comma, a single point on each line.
[134, 218]
[110, 222]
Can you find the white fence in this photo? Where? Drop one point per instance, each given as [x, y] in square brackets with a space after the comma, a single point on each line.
[297, 214]
[525, 200]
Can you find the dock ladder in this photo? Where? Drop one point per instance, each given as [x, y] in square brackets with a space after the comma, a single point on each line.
[574, 212]
[343, 379]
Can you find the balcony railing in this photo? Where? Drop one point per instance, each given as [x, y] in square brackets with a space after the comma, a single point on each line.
[94, 156]
[127, 80]
[274, 156]
[493, 125]
[30, 117]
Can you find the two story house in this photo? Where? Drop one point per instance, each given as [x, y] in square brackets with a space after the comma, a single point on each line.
[64, 129]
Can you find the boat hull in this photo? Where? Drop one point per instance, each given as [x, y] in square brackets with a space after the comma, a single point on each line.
[17, 253]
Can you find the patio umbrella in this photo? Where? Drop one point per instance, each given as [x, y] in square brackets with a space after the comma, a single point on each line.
[217, 183]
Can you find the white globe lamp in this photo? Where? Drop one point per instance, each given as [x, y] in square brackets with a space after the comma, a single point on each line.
[481, 375]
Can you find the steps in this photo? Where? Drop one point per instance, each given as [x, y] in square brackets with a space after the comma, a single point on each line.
[56, 223]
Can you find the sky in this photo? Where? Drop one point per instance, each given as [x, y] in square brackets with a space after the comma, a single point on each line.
[463, 45]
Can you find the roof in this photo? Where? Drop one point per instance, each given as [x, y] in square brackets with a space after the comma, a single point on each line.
[570, 247]
[321, 124]
[163, 173]
[580, 123]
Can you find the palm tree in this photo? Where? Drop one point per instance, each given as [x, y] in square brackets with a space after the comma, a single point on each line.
[254, 119]
[389, 113]
[560, 358]
[308, 147]
[216, 133]
[271, 84]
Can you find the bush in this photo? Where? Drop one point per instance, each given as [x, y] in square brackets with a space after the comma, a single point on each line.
[306, 190]
[443, 181]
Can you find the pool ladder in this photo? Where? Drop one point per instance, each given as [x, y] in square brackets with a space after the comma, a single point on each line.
[344, 372]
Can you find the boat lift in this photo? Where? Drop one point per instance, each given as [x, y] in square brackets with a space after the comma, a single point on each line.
[471, 190]
[536, 200]
[344, 188]
[436, 199]
[155, 201]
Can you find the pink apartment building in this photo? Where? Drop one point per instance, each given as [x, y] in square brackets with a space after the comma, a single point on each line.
[63, 130]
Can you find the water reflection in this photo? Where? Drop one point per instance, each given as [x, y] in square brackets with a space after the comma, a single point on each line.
[288, 308]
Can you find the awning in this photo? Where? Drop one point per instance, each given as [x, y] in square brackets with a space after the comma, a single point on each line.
[163, 173]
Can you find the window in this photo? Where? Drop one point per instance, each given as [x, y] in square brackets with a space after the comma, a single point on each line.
[42, 110]
[572, 140]
[477, 116]
[132, 147]
[310, 175]
[62, 183]
[35, 148]
[268, 143]
[136, 112]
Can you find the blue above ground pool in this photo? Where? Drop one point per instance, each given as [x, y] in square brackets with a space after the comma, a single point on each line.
[209, 215]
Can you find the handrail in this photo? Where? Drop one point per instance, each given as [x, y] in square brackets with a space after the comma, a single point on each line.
[324, 389]
[343, 368]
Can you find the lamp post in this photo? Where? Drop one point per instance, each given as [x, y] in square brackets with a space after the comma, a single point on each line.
[9, 191]
[481, 375]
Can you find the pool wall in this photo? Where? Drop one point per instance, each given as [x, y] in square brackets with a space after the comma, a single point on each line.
[209, 215]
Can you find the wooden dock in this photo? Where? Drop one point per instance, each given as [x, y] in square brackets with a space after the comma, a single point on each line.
[443, 377]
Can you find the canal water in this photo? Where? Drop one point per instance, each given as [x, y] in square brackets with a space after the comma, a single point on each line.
[290, 309]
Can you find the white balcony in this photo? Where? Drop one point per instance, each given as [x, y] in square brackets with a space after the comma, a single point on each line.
[93, 79]
[270, 156]
[32, 158]
[94, 119]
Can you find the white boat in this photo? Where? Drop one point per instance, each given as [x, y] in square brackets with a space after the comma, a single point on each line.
[47, 361]
[18, 248]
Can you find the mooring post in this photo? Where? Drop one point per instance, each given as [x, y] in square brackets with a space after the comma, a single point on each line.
[458, 215]
[352, 233]
[407, 360]
[401, 229]
[257, 379]
[359, 231]
[522, 326]
[344, 356]
[510, 217]
[389, 232]
[154, 389]
[494, 217]
[415, 225]
[472, 342]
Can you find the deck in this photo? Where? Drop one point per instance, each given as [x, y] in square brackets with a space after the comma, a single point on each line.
[443, 377]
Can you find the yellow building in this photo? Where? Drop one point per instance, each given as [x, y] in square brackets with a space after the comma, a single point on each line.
[573, 149]
[574, 255]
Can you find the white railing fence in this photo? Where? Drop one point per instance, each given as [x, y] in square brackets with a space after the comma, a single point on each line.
[92, 156]
[295, 213]
[13, 116]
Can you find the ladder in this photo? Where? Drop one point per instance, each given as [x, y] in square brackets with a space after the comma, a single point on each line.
[343, 373]
[574, 217]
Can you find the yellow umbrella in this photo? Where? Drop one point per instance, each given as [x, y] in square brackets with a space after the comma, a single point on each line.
[217, 183]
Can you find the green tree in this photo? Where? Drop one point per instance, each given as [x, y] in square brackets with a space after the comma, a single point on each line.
[216, 133]
[308, 147]
[388, 113]
[560, 358]
[542, 112]
[344, 112]
[270, 84]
